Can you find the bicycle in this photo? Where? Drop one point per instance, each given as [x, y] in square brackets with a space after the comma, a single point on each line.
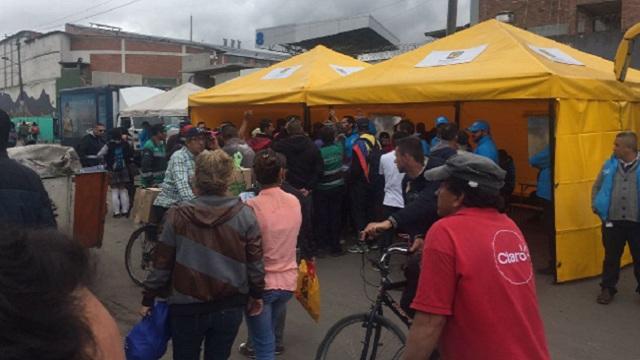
[138, 255]
[382, 338]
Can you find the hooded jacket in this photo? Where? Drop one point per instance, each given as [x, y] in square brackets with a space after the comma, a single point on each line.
[304, 162]
[209, 256]
[23, 199]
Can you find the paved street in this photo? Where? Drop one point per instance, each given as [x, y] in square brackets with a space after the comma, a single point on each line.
[576, 327]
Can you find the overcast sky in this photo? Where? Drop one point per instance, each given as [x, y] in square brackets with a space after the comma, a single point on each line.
[218, 19]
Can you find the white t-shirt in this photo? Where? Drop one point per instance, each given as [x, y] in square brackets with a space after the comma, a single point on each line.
[392, 180]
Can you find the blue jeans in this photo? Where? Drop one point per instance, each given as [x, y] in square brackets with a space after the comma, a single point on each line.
[217, 329]
[262, 327]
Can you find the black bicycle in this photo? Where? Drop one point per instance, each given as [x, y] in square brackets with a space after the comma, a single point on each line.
[370, 335]
[138, 256]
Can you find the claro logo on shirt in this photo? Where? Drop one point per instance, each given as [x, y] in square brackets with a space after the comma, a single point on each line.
[512, 257]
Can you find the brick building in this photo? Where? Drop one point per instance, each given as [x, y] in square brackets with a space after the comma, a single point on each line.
[593, 26]
[96, 56]
[564, 17]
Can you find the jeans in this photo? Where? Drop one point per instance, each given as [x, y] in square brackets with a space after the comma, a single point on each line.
[262, 327]
[327, 215]
[217, 329]
[279, 332]
[614, 238]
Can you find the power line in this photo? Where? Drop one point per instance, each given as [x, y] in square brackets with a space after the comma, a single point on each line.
[97, 14]
[56, 21]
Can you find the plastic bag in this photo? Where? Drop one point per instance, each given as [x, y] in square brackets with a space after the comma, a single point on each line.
[308, 289]
[148, 339]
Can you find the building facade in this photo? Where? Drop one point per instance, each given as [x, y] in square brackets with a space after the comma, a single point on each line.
[593, 26]
[564, 17]
[35, 66]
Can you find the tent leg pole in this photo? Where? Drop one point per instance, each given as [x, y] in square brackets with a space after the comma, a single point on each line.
[552, 148]
[307, 118]
[457, 113]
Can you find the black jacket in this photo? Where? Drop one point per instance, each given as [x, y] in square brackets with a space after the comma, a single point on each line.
[110, 157]
[420, 202]
[88, 148]
[23, 199]
[304, 162]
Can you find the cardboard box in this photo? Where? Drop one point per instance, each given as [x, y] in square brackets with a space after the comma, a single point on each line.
[141, 212]
[241, 181]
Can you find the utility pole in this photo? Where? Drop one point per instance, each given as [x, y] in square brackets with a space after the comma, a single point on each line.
[190, 27]
[452, 17]
[19, 70]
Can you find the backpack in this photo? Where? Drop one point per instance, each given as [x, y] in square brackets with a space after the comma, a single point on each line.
[118, 158]
[35, 130]
[368, 155]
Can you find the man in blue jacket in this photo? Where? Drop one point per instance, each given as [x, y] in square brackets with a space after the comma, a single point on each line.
[615, 199]
[481, 134]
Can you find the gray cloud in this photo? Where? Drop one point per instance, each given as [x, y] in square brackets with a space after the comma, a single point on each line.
[215, 20]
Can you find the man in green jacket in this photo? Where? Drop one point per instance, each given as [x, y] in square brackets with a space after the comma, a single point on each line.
[154, 161]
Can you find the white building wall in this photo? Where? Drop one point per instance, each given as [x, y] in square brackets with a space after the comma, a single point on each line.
[40, 61]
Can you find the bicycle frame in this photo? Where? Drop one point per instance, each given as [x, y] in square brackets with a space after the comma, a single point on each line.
[383, 299]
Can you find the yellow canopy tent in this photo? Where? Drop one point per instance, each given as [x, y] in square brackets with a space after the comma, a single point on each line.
[514, 79]
[276, 91]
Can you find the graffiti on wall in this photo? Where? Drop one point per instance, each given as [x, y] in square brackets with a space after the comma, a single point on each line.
[28, 106]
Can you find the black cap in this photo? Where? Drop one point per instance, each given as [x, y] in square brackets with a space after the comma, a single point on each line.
[478, 171]
[193, 132]
[362, 124]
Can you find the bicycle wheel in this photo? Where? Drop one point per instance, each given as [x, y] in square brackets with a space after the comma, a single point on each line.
[346, 339]
[139, 253]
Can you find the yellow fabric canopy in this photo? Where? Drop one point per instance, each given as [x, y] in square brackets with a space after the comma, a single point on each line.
[507, 75]
[286, 82]
[508, 68]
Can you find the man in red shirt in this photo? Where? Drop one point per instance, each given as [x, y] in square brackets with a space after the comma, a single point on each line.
[476, 296]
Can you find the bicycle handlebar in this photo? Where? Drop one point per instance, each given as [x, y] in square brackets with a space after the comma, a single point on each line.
[398, 248]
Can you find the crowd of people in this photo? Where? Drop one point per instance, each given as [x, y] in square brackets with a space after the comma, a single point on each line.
[222, 258]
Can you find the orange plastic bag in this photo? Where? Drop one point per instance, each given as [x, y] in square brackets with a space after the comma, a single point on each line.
[308, 289]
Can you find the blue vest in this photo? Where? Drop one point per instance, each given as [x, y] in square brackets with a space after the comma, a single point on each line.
[602, 202]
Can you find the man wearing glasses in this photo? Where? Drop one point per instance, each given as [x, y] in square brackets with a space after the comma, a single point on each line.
[90, 145]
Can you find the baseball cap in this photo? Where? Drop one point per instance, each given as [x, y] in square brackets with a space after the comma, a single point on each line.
[193, 132]
[184, 129]
[441, 120]
[362, 124]
[477, 170]
[478, 125]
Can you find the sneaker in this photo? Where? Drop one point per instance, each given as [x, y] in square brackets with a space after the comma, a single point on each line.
[373, 246]
[605, 297]
[247, 351]
[358, 249]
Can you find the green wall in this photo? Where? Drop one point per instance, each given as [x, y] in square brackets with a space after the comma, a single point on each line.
[45, 123]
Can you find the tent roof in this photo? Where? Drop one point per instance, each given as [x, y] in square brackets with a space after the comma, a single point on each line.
[170, 103]
[136, 94]
[508, 68]
[277, 85]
